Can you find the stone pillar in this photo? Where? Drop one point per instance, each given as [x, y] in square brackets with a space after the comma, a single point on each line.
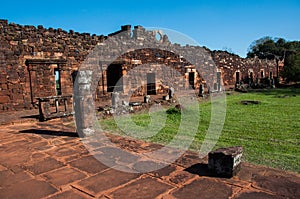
[115, 99]
[201, 90]
[146, 98]
[171, 92]
[84, 104]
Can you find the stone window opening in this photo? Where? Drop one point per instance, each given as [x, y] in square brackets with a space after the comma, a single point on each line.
[57, 81]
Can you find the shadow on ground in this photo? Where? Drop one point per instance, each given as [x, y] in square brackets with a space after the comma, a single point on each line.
[200, 169]
[32, 116]
[50, 132]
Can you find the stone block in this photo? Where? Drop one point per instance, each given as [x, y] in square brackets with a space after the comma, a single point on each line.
[4, 99]
[225, 162]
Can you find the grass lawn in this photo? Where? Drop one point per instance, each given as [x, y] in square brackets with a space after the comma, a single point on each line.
[269, 131]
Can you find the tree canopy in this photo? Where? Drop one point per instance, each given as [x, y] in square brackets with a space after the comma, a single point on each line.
[280, 49]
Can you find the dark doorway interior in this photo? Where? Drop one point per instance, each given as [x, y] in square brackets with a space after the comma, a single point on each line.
[237, 77]
[219, 81]
[192, 80]
[251, 77]
[262, 74]
[151, 87]
[114, 78]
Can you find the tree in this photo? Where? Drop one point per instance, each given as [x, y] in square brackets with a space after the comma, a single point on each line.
[291, 70]
[281, 50]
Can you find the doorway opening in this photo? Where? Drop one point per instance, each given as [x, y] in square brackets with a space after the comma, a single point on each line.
[151, 87]
[114, 78]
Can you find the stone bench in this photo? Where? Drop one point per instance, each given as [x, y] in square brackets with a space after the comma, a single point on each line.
[54, 107]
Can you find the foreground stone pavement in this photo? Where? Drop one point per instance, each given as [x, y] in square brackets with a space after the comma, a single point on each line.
[48, 160]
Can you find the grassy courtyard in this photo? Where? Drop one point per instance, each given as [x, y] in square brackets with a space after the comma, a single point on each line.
[268, 131]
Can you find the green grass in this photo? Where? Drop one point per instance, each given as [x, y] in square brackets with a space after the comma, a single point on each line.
[269, 131]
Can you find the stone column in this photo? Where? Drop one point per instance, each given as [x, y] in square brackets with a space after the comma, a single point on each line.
[84, 104]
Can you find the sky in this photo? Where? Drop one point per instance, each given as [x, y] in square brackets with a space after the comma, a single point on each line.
[218, 25]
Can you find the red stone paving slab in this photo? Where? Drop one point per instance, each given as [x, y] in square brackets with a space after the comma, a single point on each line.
[88, 164]
[32, 189]
[278, 184]
[62, 151]
[63, 176]
[44, 165]
[11, 155]
[257, 195]
[204, 188]
[145, 188]
[104, 181]
[7, 177]
[70, 194]
[119, 155]
[180, 177]
[147, 165]
[2, 168]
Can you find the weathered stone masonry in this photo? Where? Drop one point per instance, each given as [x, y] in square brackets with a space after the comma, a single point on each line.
[40, 62]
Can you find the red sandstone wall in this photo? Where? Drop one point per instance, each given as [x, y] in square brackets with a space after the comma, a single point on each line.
[19, 43]
[21, 83]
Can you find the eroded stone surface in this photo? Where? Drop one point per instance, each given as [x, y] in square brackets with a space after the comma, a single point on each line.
[204, 188]
[145, 188]
[63, 176]
[28, 189]
[105, 181]
[88, 164]
[44, 165]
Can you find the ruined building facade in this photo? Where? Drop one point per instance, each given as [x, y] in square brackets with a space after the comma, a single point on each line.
[39, 62]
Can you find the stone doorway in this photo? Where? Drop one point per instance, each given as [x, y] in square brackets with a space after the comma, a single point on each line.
[237, 77]
[192, 79]
[151, 87]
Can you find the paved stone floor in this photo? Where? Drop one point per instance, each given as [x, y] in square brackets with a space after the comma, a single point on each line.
[48, 160]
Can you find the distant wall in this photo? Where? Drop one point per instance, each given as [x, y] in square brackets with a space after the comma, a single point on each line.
[229, 64]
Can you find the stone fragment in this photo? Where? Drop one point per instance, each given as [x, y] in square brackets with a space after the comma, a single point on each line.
[225, 162]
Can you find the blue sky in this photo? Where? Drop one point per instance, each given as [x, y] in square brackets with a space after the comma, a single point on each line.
[232, 24]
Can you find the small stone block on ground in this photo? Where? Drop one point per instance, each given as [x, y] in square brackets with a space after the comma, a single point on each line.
[225, 162]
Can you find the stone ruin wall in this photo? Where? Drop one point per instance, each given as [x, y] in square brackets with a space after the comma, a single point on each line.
[228, 64]
[20, 43]
[30, 55]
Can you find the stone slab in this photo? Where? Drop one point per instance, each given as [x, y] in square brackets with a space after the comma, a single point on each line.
[278, 184]
[32, 189]
[104, 181]
[44, 165]
[145, 188]
[70, 194]
[205, 189]
[88, 164]
[257, 195]
[7, 177]
[63, 176]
